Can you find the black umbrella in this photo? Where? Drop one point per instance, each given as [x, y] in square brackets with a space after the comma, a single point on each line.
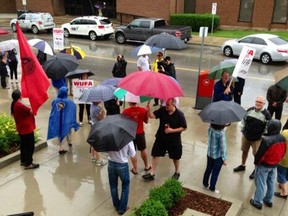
[112, 133]
[77, 73]
[165, 40]
[222, 112]
[59, 65]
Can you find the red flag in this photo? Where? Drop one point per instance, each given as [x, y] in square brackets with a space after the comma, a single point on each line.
[34, 82]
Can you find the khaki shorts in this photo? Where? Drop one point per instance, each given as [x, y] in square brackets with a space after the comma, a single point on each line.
[245, 145]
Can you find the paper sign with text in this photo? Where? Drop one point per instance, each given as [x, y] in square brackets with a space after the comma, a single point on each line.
[58, 38]
[79, 86]
[244, 61]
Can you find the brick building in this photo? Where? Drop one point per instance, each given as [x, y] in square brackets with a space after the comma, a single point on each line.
[260, 14]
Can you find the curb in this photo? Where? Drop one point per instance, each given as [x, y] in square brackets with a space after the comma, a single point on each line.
[11, 158]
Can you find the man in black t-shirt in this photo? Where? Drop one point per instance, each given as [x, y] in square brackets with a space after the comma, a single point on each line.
[168, 136]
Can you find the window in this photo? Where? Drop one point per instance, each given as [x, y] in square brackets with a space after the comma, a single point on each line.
[246, 40]
[76, 22]
[246, 10]
[135, 24]
[278, 41]
[280, 11]
[259, 41]
[22, 17]
[145, 24]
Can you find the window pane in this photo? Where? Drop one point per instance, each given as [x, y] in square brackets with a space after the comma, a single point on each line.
[246, 10]
[280, 11]
[278, 41]
[259, 41]
[246, 40]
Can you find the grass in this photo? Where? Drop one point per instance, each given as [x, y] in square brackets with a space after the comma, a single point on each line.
[242, 33]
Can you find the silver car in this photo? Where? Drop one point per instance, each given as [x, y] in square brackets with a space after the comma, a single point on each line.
[268, 47]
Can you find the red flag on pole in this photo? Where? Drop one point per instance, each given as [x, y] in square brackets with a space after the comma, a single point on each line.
[34, 82]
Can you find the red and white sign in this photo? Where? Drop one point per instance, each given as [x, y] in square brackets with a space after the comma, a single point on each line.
[58, 38]
[79, 86]
[244, 61]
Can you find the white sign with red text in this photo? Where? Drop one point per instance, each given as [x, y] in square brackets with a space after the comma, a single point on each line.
[58, 38]
[244, 61]
[79, 86]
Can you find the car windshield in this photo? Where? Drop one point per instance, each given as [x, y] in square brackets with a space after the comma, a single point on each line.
[105, 21]
[278, 41]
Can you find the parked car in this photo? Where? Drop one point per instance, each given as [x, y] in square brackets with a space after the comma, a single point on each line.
[34, 21]
[143, 28]
[92, 26]
[268, 47]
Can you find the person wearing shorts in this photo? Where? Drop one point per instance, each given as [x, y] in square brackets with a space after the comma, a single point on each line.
[168, 136]
[140, 115]
[282, 172]
[253, 127]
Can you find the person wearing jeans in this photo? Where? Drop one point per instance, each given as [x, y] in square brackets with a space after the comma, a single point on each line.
[216, 156]
[118, 168]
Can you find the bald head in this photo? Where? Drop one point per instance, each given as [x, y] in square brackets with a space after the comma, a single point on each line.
[259, 102]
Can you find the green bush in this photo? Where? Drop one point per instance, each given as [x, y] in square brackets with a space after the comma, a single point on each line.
[175, 188]
[8, 134]
[163, 195]
[151, 207]
[195, 21]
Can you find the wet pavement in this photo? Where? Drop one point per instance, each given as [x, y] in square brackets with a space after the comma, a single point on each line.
[71, 185]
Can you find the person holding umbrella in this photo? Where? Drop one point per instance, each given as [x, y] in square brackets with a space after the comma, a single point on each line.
[3, 69]
[222, 89]
[168, 136]
[143, 63]
[81, 106]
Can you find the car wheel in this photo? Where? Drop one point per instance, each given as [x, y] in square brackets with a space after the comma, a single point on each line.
[13, 27]
[228, 51]
[66, 33]
[92, 35]
[265, 58]
[35, 30]
[120, 38]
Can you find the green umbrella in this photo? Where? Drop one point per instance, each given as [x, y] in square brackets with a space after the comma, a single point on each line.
[127, 96]
[281, 79]
[216, 71]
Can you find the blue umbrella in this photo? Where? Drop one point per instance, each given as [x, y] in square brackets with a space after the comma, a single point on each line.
[145, 50]
[99, 93]
[111, 82]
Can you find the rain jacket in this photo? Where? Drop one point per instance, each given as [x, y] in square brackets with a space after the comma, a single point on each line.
[63, 116]
[272, 147]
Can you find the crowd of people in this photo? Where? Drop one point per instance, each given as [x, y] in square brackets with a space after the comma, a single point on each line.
[259, 131]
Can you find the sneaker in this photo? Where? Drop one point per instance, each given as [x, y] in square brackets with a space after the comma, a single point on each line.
[268, 204]
[93, 160]
[90, 122]
[176, 176]
[214, 191]
[148, 177]
[31, 166]
[278, 194]
[258, 206]
[239, 168]
[252, 175]
[81, 124]
[101, 163]
[206, 187]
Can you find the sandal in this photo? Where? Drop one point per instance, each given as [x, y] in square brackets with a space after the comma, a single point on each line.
[149, 167]
[132, 170]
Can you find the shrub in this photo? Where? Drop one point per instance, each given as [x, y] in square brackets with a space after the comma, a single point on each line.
[151, 207]
[163, 195]
[195, 20]
[175, 189]
[8, 134]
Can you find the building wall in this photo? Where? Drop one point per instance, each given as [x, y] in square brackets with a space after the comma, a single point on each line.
[128, 10]
[8, 6]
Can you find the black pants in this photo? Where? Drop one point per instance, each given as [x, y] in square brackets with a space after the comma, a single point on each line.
[277, 110]
[237, 97]
[13, 70]
[27, 146]
[81, 111]
[3, 81]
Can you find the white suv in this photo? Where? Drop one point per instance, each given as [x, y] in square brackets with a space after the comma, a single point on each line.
[92, 26]
[34, 22]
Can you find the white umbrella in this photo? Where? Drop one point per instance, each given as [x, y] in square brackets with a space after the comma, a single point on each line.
[145, 50]
[8, 45]
[41, 45]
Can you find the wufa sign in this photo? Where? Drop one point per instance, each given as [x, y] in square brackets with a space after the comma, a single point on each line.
[79, 86]
[244, 61]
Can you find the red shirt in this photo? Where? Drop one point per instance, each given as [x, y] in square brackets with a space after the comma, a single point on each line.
[24, 119]
[138, 114]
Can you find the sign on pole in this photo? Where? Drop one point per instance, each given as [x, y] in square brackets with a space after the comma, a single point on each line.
[24, 2]
[244, 61]
[79, 86]
[58, 38]
[214, 8]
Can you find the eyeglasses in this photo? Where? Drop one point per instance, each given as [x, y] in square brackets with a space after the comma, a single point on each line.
[260, 102]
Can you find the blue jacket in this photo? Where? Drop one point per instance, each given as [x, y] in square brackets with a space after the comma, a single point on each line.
[63, 116]
[219, 89]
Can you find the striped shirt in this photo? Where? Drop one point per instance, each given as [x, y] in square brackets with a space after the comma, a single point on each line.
[217, 144]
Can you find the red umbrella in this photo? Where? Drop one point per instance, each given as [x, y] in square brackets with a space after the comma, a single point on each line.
[151, 84]
[3, 31]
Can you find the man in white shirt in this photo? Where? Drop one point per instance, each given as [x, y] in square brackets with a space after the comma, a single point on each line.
[118, 168]
[143, 63]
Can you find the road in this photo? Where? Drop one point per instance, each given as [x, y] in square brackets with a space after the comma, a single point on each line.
[101, 56]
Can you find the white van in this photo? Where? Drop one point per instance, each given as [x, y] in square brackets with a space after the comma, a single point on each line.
[34, 21]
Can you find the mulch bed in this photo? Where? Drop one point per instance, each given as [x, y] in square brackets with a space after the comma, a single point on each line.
[13, 148]
[200, 202]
